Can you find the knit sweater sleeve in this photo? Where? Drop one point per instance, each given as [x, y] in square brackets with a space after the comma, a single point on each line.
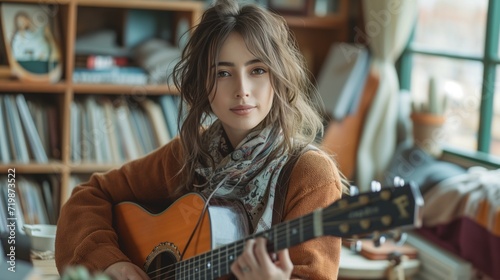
[314, 183]
[85, 234]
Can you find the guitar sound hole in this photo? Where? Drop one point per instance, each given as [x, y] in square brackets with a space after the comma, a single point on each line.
[162, 266]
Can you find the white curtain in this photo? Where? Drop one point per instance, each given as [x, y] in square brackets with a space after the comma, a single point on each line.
[388, 24]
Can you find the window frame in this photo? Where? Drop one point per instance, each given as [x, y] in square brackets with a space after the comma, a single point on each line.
[490, 60]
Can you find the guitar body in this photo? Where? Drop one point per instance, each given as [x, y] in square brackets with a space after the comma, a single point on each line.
[156, 241]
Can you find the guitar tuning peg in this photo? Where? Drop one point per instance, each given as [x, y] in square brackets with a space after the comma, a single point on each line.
[375, 186]
[400, 238]
[356, 246]
[398, 181]
[353, 190]
[378, 239]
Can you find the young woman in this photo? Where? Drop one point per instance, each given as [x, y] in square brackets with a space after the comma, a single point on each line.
[242, 66]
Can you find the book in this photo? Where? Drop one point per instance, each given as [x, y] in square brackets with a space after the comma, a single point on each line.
[102, 42]
[104, 126]
[85, 141]
[95, 61]
[15, 208]
[48, 198]
[17, 138]
[93, 133]
[119, 75]
[157, 120]
[170, 110]
[158, 57]
[75, 132]
[39, 114]
[139, 128]
[341, 79]
[33, 137]
[32, 204]
[5, 155]
[128, 141]
[53, 129]
[96, 134]
[3, 206]
[117, 153]
[55, 184]
[39, 202]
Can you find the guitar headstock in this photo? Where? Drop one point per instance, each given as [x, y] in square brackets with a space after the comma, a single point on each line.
[383, 209]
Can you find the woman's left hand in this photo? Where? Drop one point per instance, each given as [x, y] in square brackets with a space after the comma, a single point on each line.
[255, 262]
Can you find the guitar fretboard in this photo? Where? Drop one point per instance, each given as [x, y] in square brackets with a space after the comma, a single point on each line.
[217, 262]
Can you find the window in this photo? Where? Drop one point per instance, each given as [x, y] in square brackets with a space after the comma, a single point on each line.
[456, 44]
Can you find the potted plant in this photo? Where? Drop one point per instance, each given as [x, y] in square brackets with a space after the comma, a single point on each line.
[428, 120]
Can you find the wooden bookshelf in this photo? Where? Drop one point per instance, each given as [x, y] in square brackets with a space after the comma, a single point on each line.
[65, 91]
[314, 35]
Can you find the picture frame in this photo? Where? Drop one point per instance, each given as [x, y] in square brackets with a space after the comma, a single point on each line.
[4, 66]
[31, 41]
[292, 7]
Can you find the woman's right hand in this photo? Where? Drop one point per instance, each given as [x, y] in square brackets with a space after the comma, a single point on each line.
[125, 271]
[256, 263]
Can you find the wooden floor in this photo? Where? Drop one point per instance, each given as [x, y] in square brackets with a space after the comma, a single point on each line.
[46, 269]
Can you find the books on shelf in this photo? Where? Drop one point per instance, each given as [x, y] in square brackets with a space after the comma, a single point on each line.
[158, 121]
[30, 129]
[36, 200]
[128, 141]
[128, 75]
[39, 113]
[28, 133]
[110, 117]
[31, 200]
[17, 139]
[158, 57]
[170, 108]
[142, 126]
[106, 130]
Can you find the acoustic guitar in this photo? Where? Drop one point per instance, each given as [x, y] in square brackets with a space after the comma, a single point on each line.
[193, 239]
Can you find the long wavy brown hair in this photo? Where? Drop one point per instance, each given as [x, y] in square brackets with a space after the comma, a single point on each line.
[294, 112]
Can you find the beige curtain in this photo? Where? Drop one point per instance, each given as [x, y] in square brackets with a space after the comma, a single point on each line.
[388, 24]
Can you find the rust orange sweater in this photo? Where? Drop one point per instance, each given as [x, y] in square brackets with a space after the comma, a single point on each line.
[85, 234]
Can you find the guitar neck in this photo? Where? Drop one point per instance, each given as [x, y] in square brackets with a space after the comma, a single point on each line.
[217, 263]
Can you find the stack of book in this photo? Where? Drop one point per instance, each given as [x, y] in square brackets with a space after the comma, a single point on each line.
[99, 60]
[30, 130]
[108, 69]
[121, 75]
[114, 131]
[37, 201]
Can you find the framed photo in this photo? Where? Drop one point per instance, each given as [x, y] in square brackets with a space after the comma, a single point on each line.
[292, 7]
[31, 41]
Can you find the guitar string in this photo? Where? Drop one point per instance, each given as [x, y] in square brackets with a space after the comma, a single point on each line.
[284, 230]
[200, 218]
[202, 214]
[308, 223]
[237, 246]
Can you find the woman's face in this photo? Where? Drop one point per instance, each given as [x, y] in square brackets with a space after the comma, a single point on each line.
[243, 95]
[22, 22]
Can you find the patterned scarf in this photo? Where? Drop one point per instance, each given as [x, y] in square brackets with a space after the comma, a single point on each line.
[241, 174]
